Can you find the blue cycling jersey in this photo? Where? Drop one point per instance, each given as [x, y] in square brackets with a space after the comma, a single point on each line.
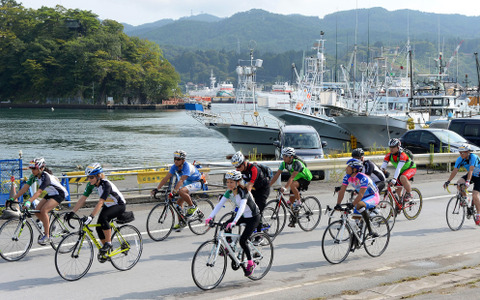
[472, 160]
[187, 169]
[361, 181]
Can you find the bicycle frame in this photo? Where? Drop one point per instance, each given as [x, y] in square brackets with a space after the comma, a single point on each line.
[86, 230]
[393, 194]
[347, 221]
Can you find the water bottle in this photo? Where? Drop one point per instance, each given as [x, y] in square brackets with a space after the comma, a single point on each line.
[40, 225]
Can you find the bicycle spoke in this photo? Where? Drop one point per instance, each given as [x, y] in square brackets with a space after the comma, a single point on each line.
[197, 221]
[208, 268]
[127, 247]
[377, 245]
[160, 222]
[74, 257]
[455, 213]
[337, 242]
[309, 213]
[15, 240]
[261, 249]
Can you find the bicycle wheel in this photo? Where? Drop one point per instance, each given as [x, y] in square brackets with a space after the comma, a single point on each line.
[16, 239]
[208, 267]
[261, 249]
[58, 229]
[376, 246]
[270, 222]
[385, 209]
[127, 247]
[309, 214]
[412, 209]
[337, 242]
[160, 222]
[74, 256]
[197, 221]
[455, 213]
[227, 217]
[280, 213]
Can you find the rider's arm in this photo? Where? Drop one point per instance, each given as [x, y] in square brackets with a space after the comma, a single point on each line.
[384, 165]
[398, 169]
[218, 207]
[359, 196]
[22, 191]
[275, 177]
[290, 180]
[453, 174]
[252, 180]
[341, 193]
[470, 172]
[241, 208]
[80, 203]
[164, 180]
[97, 208]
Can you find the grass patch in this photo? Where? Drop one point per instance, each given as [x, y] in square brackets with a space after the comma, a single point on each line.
[415, 295]
[350, 292]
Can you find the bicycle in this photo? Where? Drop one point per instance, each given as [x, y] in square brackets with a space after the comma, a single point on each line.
[161, 219]
[307, 214]
[209, 263]
[344, 236]
[412, 208]
[16, 235]
[74, 255]
[458, 208]
[383, 208]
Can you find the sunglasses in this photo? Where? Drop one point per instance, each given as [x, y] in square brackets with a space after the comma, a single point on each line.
[91, 177]
[177, 159]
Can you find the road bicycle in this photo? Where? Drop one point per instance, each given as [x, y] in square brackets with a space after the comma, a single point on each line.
[346, 235]
[383, 208]
[75, 253]
[411, 209]
[307, 214]
[209, 263]
[161, 219]
[458, 208]
[16, 235]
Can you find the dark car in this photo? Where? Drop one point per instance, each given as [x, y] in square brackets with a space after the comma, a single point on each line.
[420, 140]
[469, 128]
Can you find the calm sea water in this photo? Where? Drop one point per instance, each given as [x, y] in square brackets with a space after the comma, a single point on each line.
[115, 138]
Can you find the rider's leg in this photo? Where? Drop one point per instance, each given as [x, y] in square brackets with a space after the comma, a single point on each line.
[184, 194]
[45, 208]
[361, 208]
[260, 197]
[460, 181]
[406, 183]
[294, 188]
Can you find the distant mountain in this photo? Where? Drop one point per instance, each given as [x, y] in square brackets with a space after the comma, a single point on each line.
[279, 33]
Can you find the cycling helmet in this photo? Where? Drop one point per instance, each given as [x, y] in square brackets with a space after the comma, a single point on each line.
[234, 175]
[37, 163]
[237, 159]
[180, 154]
[94, 169]
[358, 153]
[394, 143]
[355, 164]
[288, 151]
[464, 148]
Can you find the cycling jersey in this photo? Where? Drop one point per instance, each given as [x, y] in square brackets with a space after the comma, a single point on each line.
[297, 166]
[472, 160]
[107, 191]
[49, 183]
[254, 175]
[243, 200]
[187, 169]
[372, 170]
[400, 161]
[361, 181]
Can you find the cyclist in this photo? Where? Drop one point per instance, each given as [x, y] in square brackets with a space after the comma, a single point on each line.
[300, 177]
[46, 182]
[111, 203]
[371, 169]
[257, 183]
[367, 192]
[248, 213]
[405, 168]
[472, 163]
[189, 180]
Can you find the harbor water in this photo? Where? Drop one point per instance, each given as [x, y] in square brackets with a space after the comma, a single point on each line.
[67, 138]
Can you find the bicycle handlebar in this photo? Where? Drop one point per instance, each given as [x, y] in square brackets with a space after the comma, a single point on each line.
[462, 185]
[344, 208]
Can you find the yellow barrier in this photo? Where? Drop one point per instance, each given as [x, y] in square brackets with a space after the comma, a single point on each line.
[157, 176]
[78, 179]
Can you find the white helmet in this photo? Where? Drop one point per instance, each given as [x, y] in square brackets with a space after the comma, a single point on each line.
[94, 169]
[234, 175]
[394, 142]
[464, 148]
[288, 151]
[180, 154]
[37, 163]
[237, 159]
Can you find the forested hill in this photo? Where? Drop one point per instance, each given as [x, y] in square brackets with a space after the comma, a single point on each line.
[280, 33]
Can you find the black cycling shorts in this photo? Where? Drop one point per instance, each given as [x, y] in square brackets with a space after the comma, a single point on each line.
[57, 198]
[475, 180]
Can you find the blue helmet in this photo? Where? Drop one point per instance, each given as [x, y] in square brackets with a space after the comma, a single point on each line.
[94, 169]
[355, 164]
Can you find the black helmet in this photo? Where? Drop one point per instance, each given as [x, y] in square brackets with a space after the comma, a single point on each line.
[358, 153]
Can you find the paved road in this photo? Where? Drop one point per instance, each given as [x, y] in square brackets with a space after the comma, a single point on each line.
[417, 248]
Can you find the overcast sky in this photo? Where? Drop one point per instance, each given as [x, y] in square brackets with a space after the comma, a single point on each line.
[136, 12]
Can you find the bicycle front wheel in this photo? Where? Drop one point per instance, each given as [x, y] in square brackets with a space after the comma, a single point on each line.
[455, 213]
[74, 256]
[270, 222]
[197, 221]
[160, 222]
[261, 249]
[385, 209]
[59, 229]
[375, 246]
[16, 239]
[208, 265]
[337, 242]
[309, 213]
[280, 213]
[412, 208]
[127, 247]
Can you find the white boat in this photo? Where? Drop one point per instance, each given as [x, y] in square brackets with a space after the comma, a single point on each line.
[279, 97]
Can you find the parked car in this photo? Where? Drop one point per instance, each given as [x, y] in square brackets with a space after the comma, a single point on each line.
[469, 128]
[306, 142]
[419, 140]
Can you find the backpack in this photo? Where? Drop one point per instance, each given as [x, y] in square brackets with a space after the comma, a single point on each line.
[266, 171]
